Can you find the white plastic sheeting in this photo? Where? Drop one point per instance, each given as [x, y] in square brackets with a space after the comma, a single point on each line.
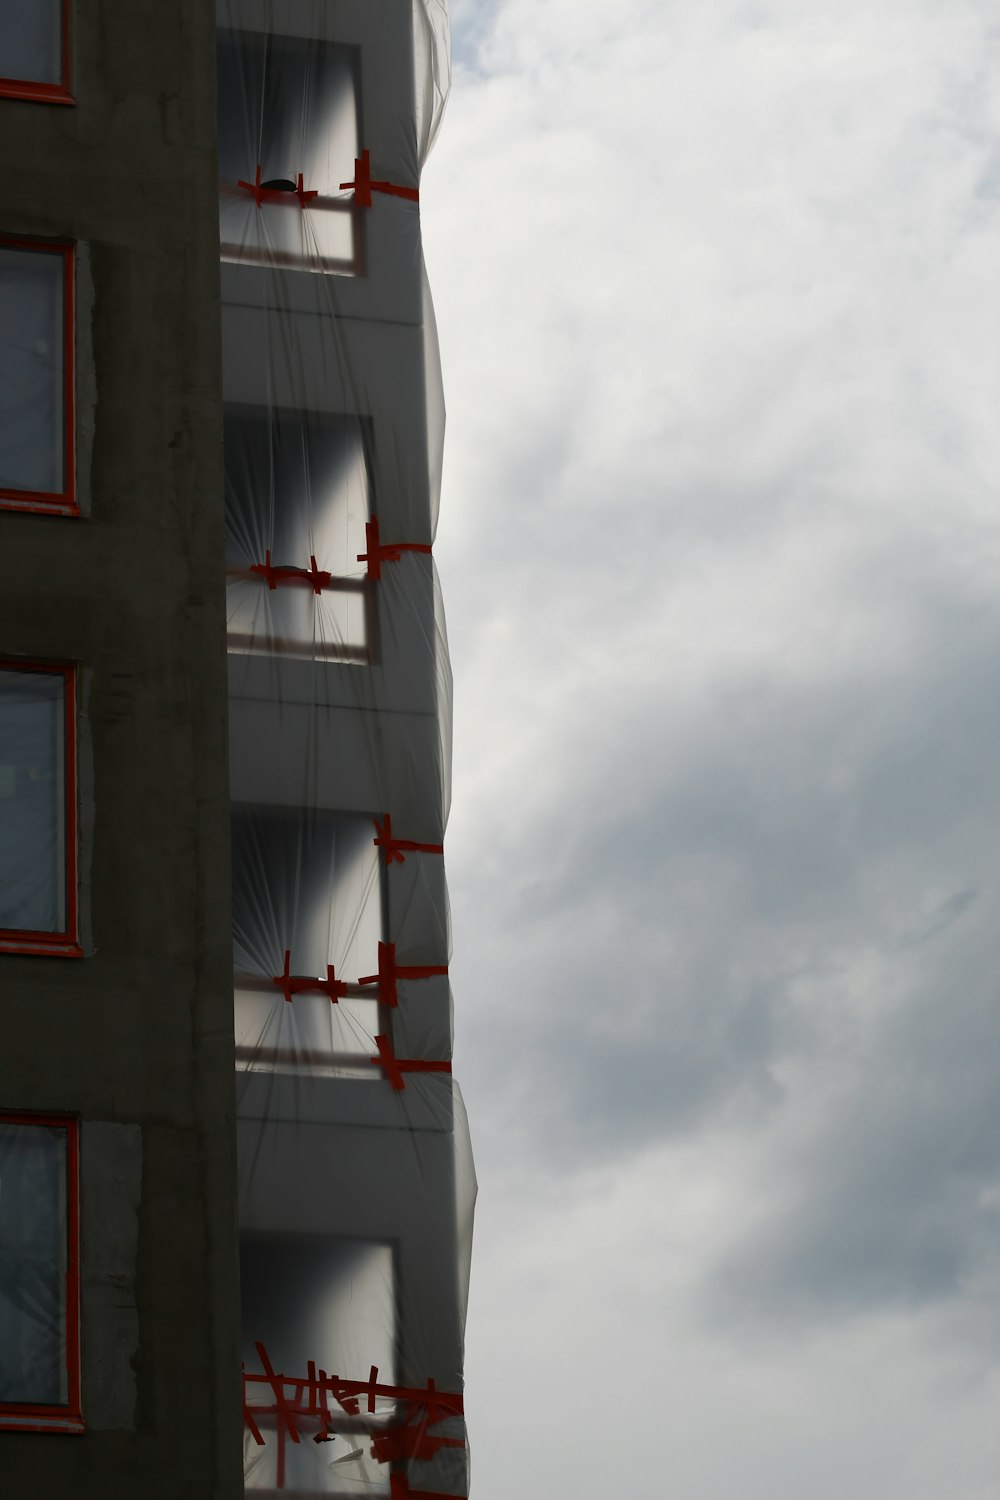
[356, 1179]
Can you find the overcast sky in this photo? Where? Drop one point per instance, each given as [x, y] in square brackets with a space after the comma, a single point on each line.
[717, 287]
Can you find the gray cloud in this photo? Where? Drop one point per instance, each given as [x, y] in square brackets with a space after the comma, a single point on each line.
[717, 296]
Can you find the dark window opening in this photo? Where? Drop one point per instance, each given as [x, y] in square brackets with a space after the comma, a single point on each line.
[309, 883]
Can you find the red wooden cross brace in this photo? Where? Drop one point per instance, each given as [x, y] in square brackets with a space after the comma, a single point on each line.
[377, 552]
[301, 984]
[436, 1405]
[284, 1409]
[317, 578]
[393, 847]
[410, 1440]
[337, 1388]
[389, 972]
[264, 192]
[304, 195]
[394, 1067]
[364, 184]
[249, 1420]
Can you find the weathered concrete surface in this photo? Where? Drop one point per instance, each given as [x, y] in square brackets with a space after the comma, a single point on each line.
[110, 1200]
[136, 1038]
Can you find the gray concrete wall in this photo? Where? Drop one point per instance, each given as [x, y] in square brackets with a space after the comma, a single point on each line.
[136, 1037]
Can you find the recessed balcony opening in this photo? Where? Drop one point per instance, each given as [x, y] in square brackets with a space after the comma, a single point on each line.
[290, 106]
[307, 883]
[298, 494]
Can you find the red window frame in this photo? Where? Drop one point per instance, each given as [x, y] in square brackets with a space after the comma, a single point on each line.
[45, 93]
[42, 501]
[18, 1416]
[58, 944]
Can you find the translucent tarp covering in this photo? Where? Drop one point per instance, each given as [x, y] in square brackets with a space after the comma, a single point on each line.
[33, 1250]
[315, 504]
[356, 1179]
[32, 801]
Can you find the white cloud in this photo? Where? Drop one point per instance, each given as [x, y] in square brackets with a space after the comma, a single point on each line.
[716, 288]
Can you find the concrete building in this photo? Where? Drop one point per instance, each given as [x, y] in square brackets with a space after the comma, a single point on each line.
[154, 590]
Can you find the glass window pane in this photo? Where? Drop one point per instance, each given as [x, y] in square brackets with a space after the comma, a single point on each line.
[33, 1247]
[32, 801]
[31, 40]
[32, 455]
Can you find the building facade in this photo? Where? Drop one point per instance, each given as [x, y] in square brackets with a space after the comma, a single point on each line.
[179, 1196]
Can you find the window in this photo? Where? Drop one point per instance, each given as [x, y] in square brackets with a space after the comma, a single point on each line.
[36, 377]
[39, 1274]
[34, 50]
[297, 488]
[288, 105]
[37, 809]
[307, 883]
[329, 1302]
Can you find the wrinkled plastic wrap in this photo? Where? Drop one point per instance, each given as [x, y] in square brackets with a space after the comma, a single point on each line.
[32, 453]
[356, 1179]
